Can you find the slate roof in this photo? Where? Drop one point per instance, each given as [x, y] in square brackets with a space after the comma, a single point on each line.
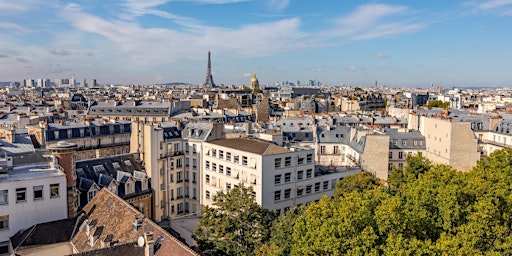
[336, 134]
[131, 108]
[22, 145]
[503, 127]
[44, 233]
[114, 220]
[251, 146]
[72, 130]
[405, 140]
[102, 171]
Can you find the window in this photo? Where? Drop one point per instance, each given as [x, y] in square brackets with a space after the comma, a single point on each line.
[194, 163]
[287, 193]
[179, 164]
[221, 169]
[207, 178]
[390, 155]
[179, 193]
[415, 142]
[194, 177]
[54, 190]
[244, 160]
[228, 171]
[300, 191]
[287, 161]
[309, 158]
[207, 194]
[4, 197]
[336, 149]
[90, 195]
[287, 177]
[308, 189]
[38, 192]
[221, 154]
[236, 159]
[228, 186]
[228, 156]
[4, 222]
[21, 195]
[404, 142]
[400, 155]
[277, 179]
[214, 167]
[214, 152]
[395, 142]
[309, 173]
[317, 186]
[187, 162]
[207, 165]
[179, 176]
[322, 149]
[326, 185]
[300, 175]
[277, 162]
[300, 160]
[277, 195]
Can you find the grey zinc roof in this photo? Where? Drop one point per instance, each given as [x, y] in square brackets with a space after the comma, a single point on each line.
[336, 134]
[504, 127]
[405, 140]
[141, 108]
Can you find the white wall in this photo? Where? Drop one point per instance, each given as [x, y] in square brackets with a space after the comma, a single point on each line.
[25, 214]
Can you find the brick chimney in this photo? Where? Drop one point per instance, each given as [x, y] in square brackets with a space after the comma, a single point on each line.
[65, 153]
[149, 245]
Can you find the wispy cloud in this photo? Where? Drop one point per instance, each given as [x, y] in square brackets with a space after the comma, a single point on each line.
[381, 55]
[14, 27]
[277, 5]
[164, 45]
[374, 21]
[58, 52]
[499, 7]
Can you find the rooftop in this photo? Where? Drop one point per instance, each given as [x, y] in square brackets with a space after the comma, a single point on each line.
[252, 146]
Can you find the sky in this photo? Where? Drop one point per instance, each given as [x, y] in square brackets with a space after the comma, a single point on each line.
[396, 43]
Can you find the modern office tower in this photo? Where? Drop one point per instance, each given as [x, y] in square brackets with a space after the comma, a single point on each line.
[208, 83]
[92, 83]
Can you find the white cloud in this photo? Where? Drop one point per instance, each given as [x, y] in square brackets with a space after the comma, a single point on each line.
[14, 27]
[492, 4]
[351, 68]
[381, 55]
[247, 75]
[373, 21]
[277, 5]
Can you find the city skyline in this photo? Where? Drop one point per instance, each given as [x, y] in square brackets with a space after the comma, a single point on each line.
[459, 43]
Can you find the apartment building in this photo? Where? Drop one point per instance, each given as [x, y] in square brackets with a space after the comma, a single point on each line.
[450, 142]
[172, 159]
[281, 178]
[94, 138]
[30, 193]
[403, 144]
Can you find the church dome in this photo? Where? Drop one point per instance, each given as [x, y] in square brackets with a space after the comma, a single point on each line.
[254, 79]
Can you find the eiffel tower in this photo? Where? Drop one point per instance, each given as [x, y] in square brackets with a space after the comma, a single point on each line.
[208, 83]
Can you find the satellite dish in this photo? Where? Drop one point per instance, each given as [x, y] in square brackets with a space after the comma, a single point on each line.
[140, 241]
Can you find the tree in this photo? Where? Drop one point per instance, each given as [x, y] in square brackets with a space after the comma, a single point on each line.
[280, 242]
[416, 165]
[438, 104]
[234, 225]
[357, 182]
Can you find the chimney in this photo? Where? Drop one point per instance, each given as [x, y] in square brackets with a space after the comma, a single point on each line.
[10, 134]
[149, 245]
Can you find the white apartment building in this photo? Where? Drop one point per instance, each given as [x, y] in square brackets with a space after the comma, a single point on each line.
[30, 194]
[281, 178]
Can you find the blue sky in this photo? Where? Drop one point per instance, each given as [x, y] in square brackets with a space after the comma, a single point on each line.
[397, 43]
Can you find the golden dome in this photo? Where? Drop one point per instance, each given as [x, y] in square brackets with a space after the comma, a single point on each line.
[254, 79]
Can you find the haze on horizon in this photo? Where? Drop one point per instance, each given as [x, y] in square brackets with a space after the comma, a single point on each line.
[411, 44]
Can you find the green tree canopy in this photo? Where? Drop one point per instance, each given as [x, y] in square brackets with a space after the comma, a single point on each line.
[435, 210]
[234, 225]
[438, 104]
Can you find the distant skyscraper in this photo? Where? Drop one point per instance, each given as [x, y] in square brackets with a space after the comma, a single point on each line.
[208, 83]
